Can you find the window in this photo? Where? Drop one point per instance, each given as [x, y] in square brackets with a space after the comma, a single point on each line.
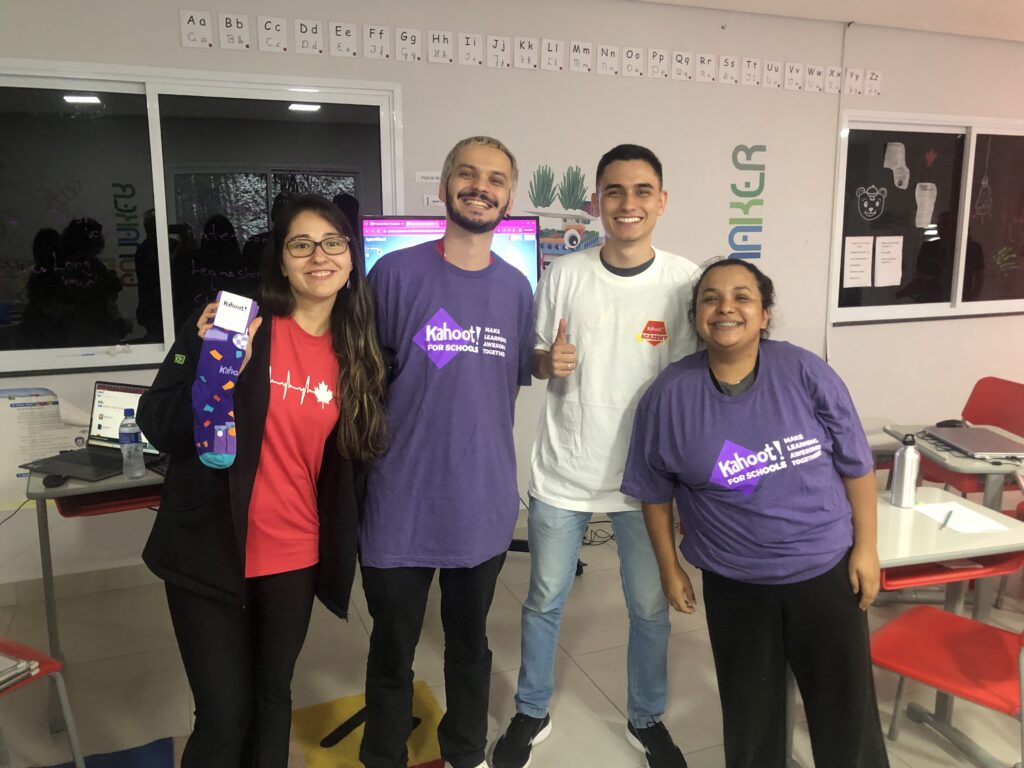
[75, 183]
[121, 212]
[994, 256]
[229, 159]
[930, 220]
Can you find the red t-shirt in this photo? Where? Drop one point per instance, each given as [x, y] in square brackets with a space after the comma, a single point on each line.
[284, 526]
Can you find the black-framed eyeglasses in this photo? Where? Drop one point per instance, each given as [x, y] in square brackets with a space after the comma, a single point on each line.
[303, 247]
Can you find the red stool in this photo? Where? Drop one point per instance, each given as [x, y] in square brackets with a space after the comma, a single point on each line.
[47, 668]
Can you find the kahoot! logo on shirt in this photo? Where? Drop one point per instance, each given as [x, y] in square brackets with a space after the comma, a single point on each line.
[442, 339]
[653, 333]
[741, 469]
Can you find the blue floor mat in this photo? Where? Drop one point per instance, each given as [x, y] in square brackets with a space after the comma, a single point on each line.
[156, 754]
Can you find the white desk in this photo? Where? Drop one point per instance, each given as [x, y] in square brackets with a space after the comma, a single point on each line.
[882, 444]
[909, 537]
[910, 534]
[994, 473]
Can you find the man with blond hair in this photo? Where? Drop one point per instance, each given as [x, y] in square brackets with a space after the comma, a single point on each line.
[444, 497]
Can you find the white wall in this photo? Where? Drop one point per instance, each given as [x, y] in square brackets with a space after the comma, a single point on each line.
[563, 118]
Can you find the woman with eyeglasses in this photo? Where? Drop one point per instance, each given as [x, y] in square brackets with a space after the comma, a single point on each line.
[242, 551]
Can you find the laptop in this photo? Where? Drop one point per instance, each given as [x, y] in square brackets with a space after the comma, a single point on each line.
[101, 457]
[978, 442]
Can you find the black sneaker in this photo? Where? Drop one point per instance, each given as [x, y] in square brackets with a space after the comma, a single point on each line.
[513, 749]
[657, 744]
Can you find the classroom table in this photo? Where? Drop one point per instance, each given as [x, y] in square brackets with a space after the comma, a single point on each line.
[994, 472]
[909, 537]
[994, 475]
[81, 498]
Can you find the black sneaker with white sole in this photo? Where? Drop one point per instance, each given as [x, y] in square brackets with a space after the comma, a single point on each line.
[657, 744]
[513, 749]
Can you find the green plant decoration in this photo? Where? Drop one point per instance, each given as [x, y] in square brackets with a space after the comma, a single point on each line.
[542, 186]
[572, 192]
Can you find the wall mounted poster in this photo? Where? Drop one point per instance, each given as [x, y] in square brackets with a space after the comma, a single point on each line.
[994, 262]
[903, 184]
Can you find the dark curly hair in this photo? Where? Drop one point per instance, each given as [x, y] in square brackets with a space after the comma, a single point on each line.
[765, 287]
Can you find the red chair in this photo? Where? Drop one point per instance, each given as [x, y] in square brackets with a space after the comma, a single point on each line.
[47, 668]
[958, 657]
[993, 402]
[1017, 513]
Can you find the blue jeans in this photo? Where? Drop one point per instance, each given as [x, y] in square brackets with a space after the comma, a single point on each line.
[555, 536]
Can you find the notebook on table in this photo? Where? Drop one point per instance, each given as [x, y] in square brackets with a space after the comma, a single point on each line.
[101, 457]
[978, 442]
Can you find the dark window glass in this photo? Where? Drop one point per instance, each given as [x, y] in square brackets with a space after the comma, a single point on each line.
[227, 161]
[994, 262]
[77, 253]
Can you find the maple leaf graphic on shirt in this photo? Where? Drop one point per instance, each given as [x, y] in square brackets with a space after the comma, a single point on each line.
[323, 394]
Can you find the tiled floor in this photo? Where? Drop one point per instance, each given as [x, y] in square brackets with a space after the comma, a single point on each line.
[128, 687]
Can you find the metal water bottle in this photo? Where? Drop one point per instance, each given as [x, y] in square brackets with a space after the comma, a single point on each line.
[905, 467]
[130, 437]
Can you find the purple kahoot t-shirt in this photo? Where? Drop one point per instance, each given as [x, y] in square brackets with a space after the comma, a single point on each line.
[445, 494]
[758, 478]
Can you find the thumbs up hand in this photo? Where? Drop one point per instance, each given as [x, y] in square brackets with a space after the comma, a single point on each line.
[562, 357]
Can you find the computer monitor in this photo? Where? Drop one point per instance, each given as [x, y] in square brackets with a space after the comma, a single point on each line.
[516, 239]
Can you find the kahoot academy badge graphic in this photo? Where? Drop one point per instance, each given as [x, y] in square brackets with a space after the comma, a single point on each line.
[442, 339]
[653, 333]
[741, 469]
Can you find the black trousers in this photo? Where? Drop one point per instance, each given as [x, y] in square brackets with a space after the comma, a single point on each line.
[239, 662]
[817, 628]
[397, 599]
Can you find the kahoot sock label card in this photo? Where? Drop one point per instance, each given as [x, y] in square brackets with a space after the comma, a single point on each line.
[220, 361]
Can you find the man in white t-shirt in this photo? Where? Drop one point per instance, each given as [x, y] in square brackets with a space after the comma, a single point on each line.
[608, 321]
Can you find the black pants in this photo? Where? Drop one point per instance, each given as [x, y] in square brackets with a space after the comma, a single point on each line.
[815, 627]
[239, 662]
[397, 599]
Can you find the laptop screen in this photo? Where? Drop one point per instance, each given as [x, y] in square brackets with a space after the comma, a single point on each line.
[108, 403]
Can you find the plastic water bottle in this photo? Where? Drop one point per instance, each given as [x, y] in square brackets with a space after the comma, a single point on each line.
[905, 467]
[130, 437]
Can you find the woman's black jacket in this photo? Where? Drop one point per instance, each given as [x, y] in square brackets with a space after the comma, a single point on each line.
[198, 539]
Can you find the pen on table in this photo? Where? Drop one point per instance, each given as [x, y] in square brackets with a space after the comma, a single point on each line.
[946, 521]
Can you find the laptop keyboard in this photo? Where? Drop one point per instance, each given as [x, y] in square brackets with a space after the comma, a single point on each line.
[98, 457]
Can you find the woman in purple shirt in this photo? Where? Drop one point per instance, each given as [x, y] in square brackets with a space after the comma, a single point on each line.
[760, 446]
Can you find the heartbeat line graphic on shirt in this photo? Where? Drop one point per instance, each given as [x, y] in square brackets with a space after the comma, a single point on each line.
[323, 393]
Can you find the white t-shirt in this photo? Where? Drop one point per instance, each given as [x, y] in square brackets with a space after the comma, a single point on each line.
[626, 330]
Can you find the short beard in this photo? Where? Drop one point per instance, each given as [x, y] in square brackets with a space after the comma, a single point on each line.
[470, 225]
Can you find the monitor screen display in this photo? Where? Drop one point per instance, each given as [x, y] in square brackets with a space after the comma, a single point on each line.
[515, 239]
[108, 403]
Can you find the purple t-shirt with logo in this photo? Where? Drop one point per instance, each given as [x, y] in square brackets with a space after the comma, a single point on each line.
[758, 478]
[445, 494]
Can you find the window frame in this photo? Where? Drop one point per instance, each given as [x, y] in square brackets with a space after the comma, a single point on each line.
[154, 82]
[956, 307]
